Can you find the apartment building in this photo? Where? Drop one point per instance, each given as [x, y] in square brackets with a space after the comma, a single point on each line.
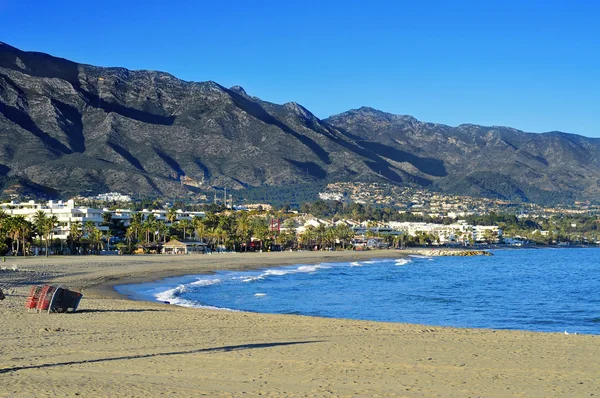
[66, 212]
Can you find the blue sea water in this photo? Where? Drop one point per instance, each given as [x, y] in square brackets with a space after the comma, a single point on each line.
[551, 290]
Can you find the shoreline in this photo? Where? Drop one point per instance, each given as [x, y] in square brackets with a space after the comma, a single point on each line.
[114, 345]
[143, 268]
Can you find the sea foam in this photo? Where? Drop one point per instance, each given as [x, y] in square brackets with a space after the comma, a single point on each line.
[403, 261]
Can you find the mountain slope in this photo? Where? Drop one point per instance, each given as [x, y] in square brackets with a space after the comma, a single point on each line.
[76, 127]
[68, 128]
[478, 160]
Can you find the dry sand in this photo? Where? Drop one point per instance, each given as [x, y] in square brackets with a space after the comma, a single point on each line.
[118, 347]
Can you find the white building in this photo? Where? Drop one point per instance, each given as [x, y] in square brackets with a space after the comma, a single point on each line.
[67, 214]
[459, 232]
[124, 215]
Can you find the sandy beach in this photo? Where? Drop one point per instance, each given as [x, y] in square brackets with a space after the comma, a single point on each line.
[114, 346]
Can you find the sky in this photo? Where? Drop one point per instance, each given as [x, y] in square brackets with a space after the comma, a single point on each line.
[532, 65]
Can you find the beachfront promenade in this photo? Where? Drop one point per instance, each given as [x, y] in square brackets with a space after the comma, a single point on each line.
[118, 347]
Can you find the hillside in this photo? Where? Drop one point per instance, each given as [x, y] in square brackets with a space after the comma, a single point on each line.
[478, 160]
[70, 128]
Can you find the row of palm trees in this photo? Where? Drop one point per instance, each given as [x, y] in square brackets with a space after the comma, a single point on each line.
[234, 231]
[239, 231]
[17, 234]
[16, 231]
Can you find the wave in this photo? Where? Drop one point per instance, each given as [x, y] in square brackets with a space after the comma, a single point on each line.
[251, 278]
[276, 272]
[206, 282]
[172, 296]
[280, 272]
[403, 261]
[420, 256]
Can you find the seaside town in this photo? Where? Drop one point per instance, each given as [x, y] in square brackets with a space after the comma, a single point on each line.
[356, 216]
[299, 199]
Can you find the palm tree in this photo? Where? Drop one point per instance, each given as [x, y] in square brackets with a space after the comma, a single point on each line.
[308, 237]
[171, 215]
[95, 238]
[14, 232]
[260, 230]
[199, 227]
[344, 233]
[320, 231]
[26, 231]
[162, 230]
[243, 229]
[76, 232]
[19, 230]
[211, 234]
[221, 235]
[330, 237]
[129, 234]
[39, 221]
[288, 238]
[4, 220]
[136, 223]
[185, 224]
[107, 217]
[4, 217]
[88, 229]
[49, 226]
[148, 226]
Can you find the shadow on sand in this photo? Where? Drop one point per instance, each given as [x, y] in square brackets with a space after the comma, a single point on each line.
[131, 310]
[163, 354]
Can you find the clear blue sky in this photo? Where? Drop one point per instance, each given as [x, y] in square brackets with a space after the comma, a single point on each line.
[532, 65]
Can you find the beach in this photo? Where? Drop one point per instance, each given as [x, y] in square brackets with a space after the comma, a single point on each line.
[114, 346]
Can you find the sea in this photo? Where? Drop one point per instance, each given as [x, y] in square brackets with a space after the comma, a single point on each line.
[544, 290]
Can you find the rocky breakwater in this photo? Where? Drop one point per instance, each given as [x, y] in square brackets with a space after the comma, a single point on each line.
[466, 253]
[452, 252]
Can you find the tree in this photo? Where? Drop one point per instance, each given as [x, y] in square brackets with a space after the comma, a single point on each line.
[129, 234]
[260, 230]
[76, 233]
[490, 236]
[185, 225]
[136, 223]
[107, 217]
[199, 227]
[95, 239]
[171, 215]
[308, 237]
[320, 233]
[243, 229]
[26, 229]
[221, 235]
[14, 231]
[212, 234]
[89, 229]
[48, 225]
[4, 220]
[288, 238]
[330, 237]
[149, 226]
[345, 234]
[39, 221]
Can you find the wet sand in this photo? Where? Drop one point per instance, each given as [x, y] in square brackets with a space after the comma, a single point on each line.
[118, 347]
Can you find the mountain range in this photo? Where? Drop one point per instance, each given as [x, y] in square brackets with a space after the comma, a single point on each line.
[69, 128]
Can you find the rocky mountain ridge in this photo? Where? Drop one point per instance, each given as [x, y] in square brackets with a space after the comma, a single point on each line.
[71, 128]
